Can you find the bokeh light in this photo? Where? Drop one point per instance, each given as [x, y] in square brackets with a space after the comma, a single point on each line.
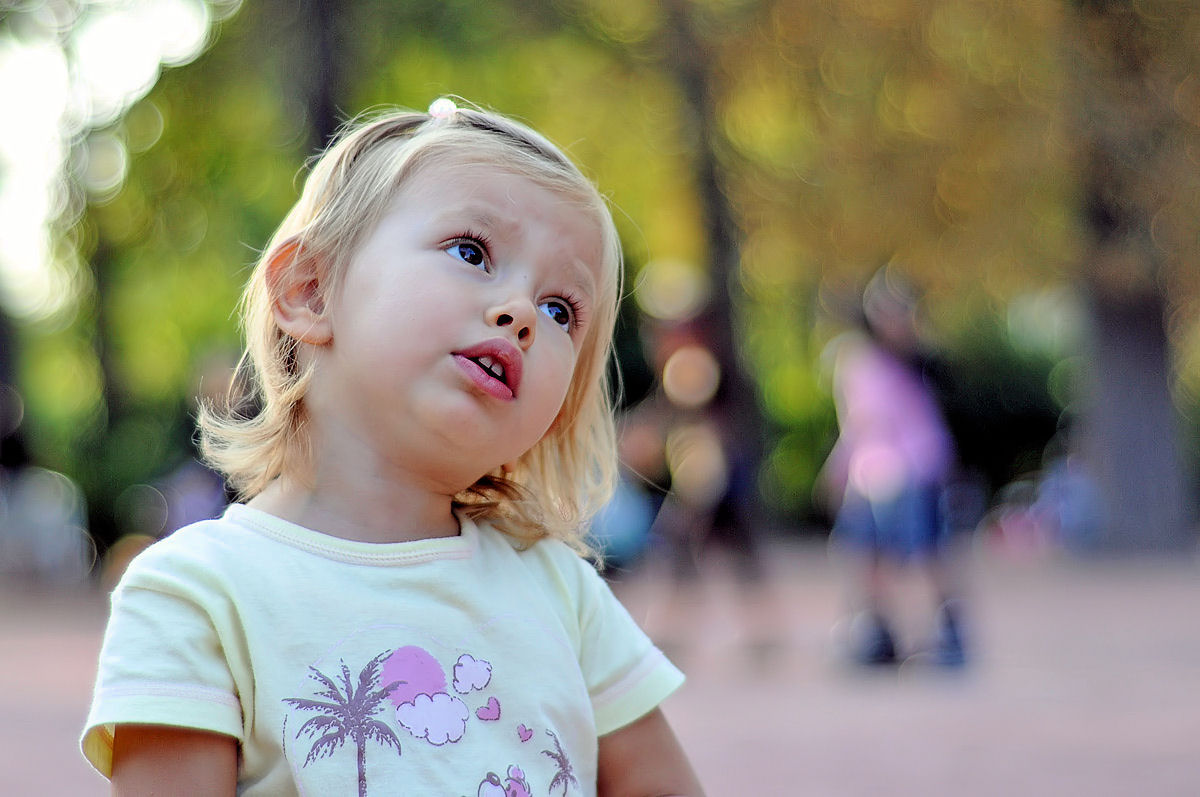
[690, 376]
[699, 468]
[65, 70]
[671, 290]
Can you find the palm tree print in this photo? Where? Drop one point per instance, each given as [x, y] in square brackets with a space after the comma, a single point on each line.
[347, 713]
[566, 773]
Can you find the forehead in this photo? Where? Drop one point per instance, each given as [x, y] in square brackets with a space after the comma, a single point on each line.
[438, 163]
[505, 203]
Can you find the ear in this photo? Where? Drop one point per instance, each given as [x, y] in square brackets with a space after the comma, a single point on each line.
[298, 294]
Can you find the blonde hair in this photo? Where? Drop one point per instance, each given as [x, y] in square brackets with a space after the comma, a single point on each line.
[556, 486]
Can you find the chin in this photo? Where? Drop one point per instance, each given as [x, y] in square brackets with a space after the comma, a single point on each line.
[455, 483]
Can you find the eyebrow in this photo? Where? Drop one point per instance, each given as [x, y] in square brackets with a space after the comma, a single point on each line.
[476, 217]
[579, 276]
[578, 272]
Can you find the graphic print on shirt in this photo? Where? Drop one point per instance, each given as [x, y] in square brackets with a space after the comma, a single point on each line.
[424, 706]
[347, 713]
[565, 776]
[514, 785]
[410, 684]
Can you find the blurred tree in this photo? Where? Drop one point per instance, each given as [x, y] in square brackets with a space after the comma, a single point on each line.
[925, 135]
[12, 449]
[777, 146]
[1133, 69]
[825, 141]
[315, 51]
[212, 159]
[955, 140]
[690, 59]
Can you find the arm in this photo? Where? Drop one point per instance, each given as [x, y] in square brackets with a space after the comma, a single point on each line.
[162, 760]
[644, 759]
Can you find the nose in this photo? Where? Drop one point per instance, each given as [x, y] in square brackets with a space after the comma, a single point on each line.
[518, 317]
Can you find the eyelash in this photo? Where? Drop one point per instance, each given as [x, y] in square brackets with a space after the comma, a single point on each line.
[578, 314]
[475, 239]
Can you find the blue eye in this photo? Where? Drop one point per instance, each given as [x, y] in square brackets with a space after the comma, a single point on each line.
[559, 312]
[469, 252]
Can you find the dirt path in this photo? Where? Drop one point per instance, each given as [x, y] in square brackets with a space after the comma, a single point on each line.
[1086, 682]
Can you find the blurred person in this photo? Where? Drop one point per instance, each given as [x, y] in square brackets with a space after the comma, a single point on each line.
[429, 331]
[622, 529]
[887, 477]
[1068, 501]
[707, 466]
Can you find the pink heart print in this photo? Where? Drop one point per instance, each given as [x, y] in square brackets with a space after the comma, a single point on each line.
[490, 712]
[524, 733]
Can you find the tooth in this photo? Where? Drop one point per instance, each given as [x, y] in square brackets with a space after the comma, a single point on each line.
[491, 365]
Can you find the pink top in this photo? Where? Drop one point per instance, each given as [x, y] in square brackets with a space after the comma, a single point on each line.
[892, 433]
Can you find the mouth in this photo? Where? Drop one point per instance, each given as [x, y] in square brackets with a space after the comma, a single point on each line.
[493, 366]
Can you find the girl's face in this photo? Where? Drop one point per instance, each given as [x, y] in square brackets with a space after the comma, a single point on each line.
[458, 325]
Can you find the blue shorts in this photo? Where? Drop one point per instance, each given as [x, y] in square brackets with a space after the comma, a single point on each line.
[909, 526]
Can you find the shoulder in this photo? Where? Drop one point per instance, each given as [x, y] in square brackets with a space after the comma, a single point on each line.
[198, 552]
[552, 564]
[547, 555]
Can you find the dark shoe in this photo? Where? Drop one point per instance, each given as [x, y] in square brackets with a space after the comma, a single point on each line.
[871, 643]
[949, 649]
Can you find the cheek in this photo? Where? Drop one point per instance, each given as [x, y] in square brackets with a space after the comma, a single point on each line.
[558, 378]
[574, 390]
[563, 386]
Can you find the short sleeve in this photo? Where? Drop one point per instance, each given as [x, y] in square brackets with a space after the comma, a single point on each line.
[161, 663]
[627, 676]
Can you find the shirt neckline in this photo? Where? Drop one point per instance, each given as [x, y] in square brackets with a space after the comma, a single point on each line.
[353, 551]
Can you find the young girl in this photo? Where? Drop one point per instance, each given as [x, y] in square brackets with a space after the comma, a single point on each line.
[398, 606]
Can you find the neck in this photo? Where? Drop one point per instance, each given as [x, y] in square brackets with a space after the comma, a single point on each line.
[368, 486]
[379, 512]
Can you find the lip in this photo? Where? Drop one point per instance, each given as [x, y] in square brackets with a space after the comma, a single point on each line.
[502, 352]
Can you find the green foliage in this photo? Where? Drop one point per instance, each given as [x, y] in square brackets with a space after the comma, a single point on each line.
[929, 134]
[999, 402]
[212, 162]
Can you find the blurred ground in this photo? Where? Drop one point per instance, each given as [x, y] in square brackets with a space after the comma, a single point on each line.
[1086, 682]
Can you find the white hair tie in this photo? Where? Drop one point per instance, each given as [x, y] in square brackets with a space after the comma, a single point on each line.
[442, 108]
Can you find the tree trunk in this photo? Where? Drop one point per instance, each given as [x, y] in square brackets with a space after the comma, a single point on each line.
[12, 449]
[688, 59]
[312, 63]
[103, 484]
[1128, 432]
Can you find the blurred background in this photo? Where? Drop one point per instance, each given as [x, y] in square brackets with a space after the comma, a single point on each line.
[1031, 167]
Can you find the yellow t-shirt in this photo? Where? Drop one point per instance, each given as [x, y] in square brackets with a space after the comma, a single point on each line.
[438, 667]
